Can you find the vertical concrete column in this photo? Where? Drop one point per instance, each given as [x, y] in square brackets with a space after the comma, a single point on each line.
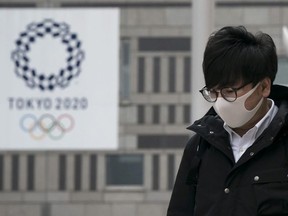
[22, 172]
[148, 171]
[101, 172]
[148, 114]
[52, 172]
[202, 27]
[179, 73]
[163, 172]
[178, 158]
[148, 71]
[70, 172]
[41, 172]
[179, 114]
[134, 65]
[85, 172]
[7, 172]
[164, 74]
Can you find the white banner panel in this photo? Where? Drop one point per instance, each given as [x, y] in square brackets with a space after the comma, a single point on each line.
[59, 79]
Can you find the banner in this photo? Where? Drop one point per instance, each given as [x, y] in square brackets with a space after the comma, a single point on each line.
[59, 79]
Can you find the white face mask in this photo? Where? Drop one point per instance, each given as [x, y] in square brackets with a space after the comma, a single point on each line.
[235, 114]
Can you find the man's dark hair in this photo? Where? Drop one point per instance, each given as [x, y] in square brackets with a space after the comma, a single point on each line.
[233, 54]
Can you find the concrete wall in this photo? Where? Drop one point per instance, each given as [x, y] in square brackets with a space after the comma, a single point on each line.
[150, 19]
[45, 197]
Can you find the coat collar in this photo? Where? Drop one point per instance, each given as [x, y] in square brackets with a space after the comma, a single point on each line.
[210, 126]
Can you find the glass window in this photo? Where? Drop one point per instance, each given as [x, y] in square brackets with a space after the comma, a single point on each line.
[282, 74]
[156, 114]
[125, 70]
[171, 114]
[156, 74]
[155, 172]
[30, 172]
[172, 74]
[123, 170]
[186, 113]
[93, 172]
[141, 114]
[141, 75]
[62, 165]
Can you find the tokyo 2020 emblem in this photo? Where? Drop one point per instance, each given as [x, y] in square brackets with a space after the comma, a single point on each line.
[47, 125]
[39, 31]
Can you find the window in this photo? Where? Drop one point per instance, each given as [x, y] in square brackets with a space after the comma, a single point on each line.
[282, 74]
[93, 172]
[172, 75]
[186, 113]
[171, 114]
[30, 172]
[125, 70]
[124, 170]
[141, 114]
[62, 172]
[155, 172]
[156, 114]
[77, 172]
[156, 74]
[161, 141]
[141, 75]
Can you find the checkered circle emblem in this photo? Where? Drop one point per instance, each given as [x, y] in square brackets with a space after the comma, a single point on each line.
[38, 79]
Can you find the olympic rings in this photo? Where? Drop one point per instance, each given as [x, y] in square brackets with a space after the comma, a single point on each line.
[47, 124]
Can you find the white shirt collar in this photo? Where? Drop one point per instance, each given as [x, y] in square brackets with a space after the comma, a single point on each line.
[262, 124]
[240, 144]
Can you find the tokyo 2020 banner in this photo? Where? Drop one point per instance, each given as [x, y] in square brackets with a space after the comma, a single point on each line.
[59, 79]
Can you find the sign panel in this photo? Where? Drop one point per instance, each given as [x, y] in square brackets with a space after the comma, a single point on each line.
[59, 79]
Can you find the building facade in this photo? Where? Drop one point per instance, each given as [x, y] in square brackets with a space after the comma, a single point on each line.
[154, 110]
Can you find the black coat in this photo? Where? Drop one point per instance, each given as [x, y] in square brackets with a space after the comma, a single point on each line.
[256, 185]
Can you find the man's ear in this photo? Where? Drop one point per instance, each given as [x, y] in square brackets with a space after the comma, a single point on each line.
[266, 87]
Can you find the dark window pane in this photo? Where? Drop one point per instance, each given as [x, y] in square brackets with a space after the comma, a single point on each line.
[125, 70]
[17, 4]
[93, 172]
[15, 172]
[141, 114]
[155, 172]
[77, 172]
[171, 114]
[62, 172]
[161, 141]
[186, 113]
[30, 172]
[282, 74]
[157, 44]
[172, 75]
[187, 74]
[141, 75]
[156, 114]
[156, 74]
[124, 169]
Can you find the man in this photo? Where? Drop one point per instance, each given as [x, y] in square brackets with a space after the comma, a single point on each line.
[237, 161]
